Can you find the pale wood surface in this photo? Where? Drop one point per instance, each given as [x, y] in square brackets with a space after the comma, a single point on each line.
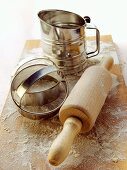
[62, 144]
[86, 98]
[24, 143]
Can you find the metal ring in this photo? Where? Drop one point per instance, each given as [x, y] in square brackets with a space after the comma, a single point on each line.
[30, 59]
[26, 84]
[53, 108]
[40, 97]
[22, 88]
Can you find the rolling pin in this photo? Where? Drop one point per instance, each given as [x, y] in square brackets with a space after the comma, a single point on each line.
[81, 108]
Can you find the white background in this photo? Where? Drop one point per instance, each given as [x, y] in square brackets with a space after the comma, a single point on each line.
[19, 22]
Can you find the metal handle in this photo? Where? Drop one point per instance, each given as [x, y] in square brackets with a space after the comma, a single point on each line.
[91, 26]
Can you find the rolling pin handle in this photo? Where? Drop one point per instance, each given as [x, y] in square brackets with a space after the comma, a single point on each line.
[62, 144]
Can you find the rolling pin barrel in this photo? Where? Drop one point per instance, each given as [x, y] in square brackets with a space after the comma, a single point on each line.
[81, 108]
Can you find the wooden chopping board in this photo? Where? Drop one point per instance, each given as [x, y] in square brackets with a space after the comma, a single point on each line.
[24, 143]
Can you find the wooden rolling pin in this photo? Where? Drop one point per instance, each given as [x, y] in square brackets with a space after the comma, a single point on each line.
[81, 108]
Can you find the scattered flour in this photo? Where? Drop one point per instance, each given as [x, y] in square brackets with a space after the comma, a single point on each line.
[25, 143]
[31, 139]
